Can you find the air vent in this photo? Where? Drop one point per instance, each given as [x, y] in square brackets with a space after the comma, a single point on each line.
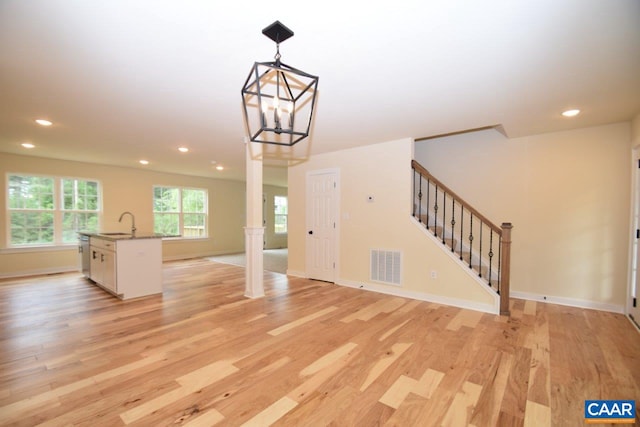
[386, 266]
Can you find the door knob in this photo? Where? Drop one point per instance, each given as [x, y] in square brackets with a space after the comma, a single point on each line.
[311, 232]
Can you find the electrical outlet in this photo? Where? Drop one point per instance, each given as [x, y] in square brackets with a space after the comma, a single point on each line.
[434, 274]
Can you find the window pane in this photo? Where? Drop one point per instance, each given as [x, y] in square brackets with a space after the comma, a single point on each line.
[72, 222]
[166, 199]
[280, 203]
[79, 195]
[194, 225]
[280, 222]
[193, 200]
[280, 211]
[30, 192]
[31, 228]
[92, 203]
[166, 224]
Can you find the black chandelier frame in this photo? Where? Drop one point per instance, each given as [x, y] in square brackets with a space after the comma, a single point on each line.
[293, 87]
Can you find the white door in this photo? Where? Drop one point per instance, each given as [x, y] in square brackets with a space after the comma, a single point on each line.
[633, 302]
[322, 207]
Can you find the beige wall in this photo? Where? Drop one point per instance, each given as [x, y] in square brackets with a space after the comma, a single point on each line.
[126, 189]
[567, 195]
[384, 172]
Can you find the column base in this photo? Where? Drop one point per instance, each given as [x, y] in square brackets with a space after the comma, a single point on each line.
[254, 270]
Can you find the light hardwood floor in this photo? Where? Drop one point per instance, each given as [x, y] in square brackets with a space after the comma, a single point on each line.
[309, 353]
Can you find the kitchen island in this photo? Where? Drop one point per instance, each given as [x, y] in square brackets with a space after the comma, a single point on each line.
[125, 265]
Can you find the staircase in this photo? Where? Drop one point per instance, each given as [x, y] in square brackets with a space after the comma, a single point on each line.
[480, 245]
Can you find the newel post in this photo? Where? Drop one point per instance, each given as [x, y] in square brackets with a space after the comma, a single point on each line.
[505, 267]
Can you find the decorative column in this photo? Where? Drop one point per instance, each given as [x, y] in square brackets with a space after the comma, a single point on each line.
[505, 268]
[254, 230]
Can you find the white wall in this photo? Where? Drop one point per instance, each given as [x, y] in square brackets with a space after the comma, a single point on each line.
[384, 172]
[567, 195]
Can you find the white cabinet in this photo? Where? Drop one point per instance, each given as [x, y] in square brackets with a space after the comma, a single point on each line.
[103, 263]
[127, 267]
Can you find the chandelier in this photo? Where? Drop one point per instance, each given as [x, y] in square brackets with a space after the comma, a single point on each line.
[278, 100]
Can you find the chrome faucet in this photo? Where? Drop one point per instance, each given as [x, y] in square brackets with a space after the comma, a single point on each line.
[133, 222]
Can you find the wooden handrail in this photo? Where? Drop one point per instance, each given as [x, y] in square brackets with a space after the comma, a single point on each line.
[417, 166]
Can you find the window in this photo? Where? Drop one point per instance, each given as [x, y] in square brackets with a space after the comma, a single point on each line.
[280, 210]
[180, 211]
[47, 210]
[80, 208]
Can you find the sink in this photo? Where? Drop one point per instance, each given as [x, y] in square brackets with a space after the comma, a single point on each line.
[116, 234]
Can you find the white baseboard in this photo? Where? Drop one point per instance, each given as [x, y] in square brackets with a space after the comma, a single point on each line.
[191, 256]
[571, 302]
[634, 324]
[40, 272]
[421, 296]
[296, 273]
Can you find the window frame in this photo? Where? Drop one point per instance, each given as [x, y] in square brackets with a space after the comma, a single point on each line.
[180, 213]
[58, 211]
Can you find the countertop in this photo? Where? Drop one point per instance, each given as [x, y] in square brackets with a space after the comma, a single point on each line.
[126, 236]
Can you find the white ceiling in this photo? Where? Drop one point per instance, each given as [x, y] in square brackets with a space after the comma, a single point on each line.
[129, 79]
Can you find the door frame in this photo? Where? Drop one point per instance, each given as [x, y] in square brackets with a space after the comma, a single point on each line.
[633, 288]
[264, 220]
[336, 215]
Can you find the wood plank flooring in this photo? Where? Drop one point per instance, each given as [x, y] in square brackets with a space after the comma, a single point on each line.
[308, 354]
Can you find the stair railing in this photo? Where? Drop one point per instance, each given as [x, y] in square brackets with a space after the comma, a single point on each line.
[468, 233]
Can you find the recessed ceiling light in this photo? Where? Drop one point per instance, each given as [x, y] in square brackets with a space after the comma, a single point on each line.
[183, 149]
[144, 162]
[43, 122]
[220, 167]
[571, 113]
[28, 145]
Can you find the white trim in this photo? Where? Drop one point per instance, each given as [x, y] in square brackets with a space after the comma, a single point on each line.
[184, 239]
[40, 272]
[191, 256]
[254, 261]
[571, 302]
[296, 273]
[633, 224]
[36, 249]
[421, 296]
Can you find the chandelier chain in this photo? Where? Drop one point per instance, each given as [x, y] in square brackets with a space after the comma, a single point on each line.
[277, 56]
